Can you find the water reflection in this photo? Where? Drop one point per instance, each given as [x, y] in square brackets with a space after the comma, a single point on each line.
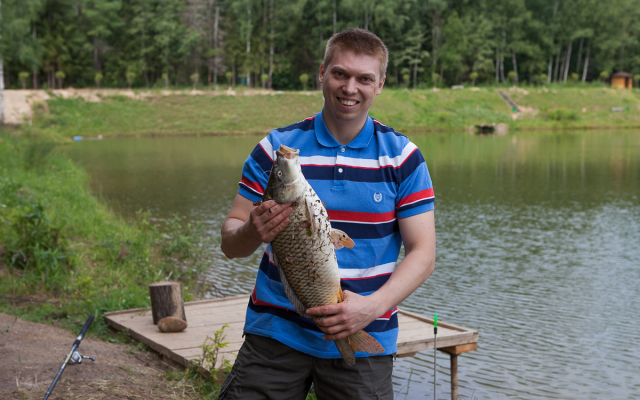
[538, 248]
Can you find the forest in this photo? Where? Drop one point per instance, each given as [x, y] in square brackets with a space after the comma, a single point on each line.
[279, 44]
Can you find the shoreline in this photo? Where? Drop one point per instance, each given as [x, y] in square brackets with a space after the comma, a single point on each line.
[528, 129]
[120, 114]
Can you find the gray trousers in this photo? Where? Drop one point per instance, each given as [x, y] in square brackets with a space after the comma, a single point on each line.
[268, 369]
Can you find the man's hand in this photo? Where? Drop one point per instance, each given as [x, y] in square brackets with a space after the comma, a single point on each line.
[269, 219]
[248, 226]
[340, 320]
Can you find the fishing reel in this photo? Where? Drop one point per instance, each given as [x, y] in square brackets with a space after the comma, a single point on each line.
[76, 358]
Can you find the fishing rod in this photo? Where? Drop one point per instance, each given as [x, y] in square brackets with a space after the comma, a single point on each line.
[435, 347]
[73, 357]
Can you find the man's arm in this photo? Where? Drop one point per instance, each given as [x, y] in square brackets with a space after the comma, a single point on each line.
[356, 312]
[247, 226]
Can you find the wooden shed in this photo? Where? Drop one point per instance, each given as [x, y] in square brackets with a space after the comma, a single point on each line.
[622, 80]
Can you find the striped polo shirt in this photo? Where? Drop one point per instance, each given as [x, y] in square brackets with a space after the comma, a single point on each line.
[366, 185]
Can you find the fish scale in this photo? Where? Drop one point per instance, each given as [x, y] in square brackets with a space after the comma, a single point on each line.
[311, 280]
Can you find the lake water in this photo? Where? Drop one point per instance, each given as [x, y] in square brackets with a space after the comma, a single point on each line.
[538, 249]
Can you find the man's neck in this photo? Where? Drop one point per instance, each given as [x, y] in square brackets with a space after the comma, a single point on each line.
[344, 131]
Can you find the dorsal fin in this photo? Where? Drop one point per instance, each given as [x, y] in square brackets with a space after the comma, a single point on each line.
[311, 213]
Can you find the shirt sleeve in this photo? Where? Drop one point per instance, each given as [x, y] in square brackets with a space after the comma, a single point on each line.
[415, 191]
[255, 172]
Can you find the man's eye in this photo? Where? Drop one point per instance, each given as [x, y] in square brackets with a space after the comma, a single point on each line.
[340, 74]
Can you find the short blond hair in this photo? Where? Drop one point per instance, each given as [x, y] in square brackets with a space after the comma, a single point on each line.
[359, 41]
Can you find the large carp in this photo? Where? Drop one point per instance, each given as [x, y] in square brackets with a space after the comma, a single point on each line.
[304, 251]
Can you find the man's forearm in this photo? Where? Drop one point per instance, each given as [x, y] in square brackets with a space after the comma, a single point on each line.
[419, 237]
[412, 272]
[237, 239]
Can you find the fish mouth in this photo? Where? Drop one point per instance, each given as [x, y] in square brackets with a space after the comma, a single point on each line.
[287, 152]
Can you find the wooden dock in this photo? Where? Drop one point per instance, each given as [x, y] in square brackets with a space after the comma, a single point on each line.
[207, 316]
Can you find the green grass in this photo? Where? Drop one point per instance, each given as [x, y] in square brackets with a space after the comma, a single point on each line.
[61, 244]
[176, 114]
[557, 107]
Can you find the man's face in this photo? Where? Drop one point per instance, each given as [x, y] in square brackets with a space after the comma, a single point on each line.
[351, 82]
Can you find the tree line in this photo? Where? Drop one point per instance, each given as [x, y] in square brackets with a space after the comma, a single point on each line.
[279, 44]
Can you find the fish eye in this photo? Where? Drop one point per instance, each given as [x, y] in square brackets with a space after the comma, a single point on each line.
[279, 174]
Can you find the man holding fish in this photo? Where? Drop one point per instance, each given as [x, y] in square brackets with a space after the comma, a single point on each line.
[337, 180]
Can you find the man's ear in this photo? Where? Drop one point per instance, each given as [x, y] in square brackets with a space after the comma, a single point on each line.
[380, 85]
[321, 76]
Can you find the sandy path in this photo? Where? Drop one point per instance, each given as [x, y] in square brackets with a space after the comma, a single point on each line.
[32, 355]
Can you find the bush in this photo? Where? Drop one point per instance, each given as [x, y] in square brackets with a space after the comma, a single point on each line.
[36, 244]
[443, 116]
[562, 114]
[36, 151]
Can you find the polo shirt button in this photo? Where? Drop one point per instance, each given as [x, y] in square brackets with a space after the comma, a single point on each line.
[340, 170]
[342, 149]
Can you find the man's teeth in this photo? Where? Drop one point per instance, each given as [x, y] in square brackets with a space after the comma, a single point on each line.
[348, 102]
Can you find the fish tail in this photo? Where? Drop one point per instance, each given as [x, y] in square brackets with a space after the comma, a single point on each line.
[346, 351]
[360, 341]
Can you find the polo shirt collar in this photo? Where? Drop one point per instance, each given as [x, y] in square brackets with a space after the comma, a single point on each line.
[324, 136]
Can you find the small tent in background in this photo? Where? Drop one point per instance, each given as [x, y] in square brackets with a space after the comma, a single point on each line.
[622, 80]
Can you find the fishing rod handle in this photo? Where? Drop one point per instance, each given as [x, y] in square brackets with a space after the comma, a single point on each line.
[85, 328]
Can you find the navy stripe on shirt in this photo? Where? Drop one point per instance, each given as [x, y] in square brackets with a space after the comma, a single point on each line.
[307, 323]
[364, 285]
[367, 231]
[263, 160]
[304, 125]
[355, 174]
[416, 204]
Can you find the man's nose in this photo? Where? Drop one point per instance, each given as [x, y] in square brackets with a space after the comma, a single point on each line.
[350, 86]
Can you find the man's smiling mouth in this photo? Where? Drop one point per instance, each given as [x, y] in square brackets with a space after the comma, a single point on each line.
[347, 102]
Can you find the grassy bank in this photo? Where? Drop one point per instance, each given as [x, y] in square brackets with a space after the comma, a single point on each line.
[64, 255]
[406, 110]
[62, 244]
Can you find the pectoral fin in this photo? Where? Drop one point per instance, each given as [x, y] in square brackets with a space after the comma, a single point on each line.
[341, 239]
[297, 304]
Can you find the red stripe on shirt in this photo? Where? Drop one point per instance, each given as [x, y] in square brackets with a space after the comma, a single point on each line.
[389, 313]
[254, 298]
[356, 216]
[423, 194]
[253, 185]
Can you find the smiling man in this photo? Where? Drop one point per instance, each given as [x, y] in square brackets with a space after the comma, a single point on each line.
[376, 188]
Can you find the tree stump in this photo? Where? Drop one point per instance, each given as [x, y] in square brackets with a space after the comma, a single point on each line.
[166, 300]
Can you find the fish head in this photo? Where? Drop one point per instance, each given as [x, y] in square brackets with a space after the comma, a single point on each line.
[286, 182]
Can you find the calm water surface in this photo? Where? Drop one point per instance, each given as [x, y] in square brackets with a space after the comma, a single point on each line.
[538, 249]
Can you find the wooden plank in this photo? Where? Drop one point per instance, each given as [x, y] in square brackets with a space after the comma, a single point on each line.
[418, 345]
[455, 350]
[195, 304]
[430, 321]
[193, 322]
[207, 316]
